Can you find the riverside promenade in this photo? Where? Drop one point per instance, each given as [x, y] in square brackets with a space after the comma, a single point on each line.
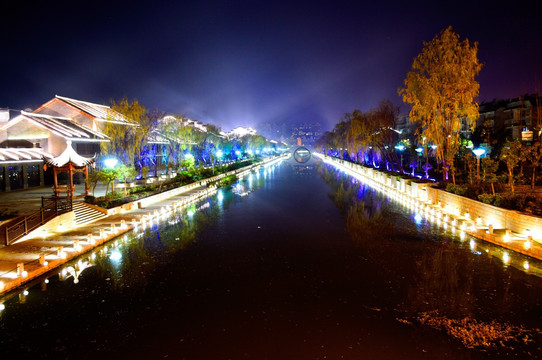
[44, 250]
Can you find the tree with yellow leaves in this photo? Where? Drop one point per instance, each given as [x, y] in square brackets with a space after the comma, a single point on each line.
[442, 89]
[128, 136]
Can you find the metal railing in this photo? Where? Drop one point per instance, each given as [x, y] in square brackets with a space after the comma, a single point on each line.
[50, 208]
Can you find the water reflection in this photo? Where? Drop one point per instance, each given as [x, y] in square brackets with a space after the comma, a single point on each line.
[129, 262]
[432, 279]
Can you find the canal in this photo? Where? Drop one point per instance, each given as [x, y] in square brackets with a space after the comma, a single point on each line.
[296, 261]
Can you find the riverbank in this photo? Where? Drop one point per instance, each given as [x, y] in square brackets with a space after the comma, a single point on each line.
[506, 228]
[49, 247]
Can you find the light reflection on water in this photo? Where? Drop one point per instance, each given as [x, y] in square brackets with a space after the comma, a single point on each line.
[282, 266]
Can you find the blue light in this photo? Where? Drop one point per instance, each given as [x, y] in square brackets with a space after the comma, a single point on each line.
[110, 162]
[418, 219]
[115, 256]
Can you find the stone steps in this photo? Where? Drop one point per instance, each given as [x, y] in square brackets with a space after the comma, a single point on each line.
[85, 214]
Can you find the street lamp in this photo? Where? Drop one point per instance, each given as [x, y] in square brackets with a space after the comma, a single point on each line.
[419, 150]
[219, 154]
[478, 152]
[110, 162]
[400, 148]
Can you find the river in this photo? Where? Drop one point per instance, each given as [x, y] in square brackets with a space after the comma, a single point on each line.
[296, 261]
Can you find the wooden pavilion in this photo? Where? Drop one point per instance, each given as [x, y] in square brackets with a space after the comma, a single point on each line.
[71, 162]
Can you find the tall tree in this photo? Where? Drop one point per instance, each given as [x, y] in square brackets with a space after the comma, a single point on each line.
[534, 155]
[489, 172]
[374, 129]
[182, 137]
[442, 89]
[128, 140]
[512, 154]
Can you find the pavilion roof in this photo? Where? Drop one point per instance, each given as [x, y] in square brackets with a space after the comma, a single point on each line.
[69, 156]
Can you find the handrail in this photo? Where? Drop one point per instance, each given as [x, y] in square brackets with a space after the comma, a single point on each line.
[51, 207]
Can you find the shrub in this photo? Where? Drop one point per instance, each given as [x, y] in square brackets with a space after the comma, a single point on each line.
[460, 190]
[90, 199]
[486, 198]
[512, 201]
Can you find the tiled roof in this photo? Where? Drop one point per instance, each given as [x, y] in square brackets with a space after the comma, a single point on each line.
[101, 112]
[69, 156]
[23, 154]
[155, 137]
[59, 126]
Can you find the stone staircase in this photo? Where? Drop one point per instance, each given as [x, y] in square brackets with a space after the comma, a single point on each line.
[85, 214]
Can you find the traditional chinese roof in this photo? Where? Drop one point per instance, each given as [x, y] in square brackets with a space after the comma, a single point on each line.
[69, 156]
[60, 126]
[99, 112]
[9, 155]
[156, 137]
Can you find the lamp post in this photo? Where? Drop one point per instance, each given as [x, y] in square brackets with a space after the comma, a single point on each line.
[478, 152]
[419, 150]
[400, 148]
[219, 155]
[110, 162]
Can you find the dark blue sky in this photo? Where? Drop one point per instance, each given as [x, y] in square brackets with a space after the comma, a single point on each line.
[245, 63]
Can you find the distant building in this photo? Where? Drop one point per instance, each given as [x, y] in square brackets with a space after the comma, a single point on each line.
[515, 118]
[186, 122]
[239, 132]
[307, 132]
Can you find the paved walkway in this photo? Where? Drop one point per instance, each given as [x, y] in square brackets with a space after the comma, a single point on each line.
[29, 200]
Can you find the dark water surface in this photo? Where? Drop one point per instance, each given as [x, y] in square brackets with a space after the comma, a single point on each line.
[295, 262]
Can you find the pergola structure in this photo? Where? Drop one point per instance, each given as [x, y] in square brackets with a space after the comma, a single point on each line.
[71, 162]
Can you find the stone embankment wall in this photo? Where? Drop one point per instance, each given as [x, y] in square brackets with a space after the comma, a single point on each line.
[508, 228]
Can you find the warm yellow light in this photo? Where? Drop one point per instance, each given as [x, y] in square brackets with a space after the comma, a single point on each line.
[527, 244]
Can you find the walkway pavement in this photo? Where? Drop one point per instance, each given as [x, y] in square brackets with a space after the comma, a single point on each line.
[29, 200]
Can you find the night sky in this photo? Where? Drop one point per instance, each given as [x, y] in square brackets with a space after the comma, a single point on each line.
[246, 63]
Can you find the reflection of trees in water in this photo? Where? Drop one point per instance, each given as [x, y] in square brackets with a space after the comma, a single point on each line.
[438, 282]
[144, 255]
[443, 281]
[157, 246]
[366, 221]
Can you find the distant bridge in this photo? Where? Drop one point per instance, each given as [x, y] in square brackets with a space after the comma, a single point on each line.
[301, 154]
